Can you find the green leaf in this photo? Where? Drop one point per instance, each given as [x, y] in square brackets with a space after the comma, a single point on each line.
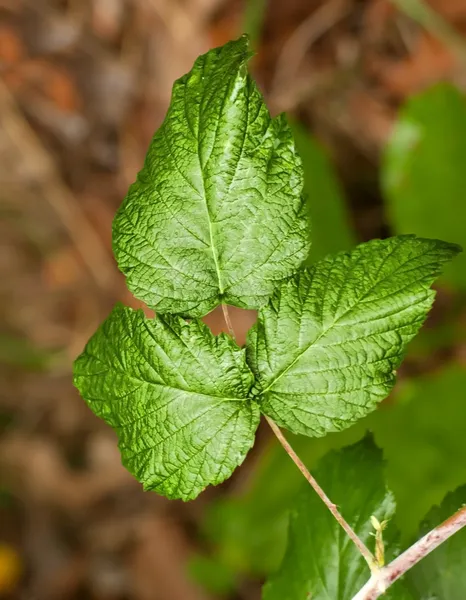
[321, 562]
[211, 574]
[442, 573]
[19, 353]
[325, 349]
[423, 170]
[427, 422]
[217, 213]
[331, 227]
[176, 396]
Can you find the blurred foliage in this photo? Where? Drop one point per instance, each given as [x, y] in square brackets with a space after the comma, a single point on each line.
[331, 230]
[19, 352]
[448, 332]
[214, 576]
[253, 18]
[442, 573]
[423, 171]
[422, 436]
[321, 562]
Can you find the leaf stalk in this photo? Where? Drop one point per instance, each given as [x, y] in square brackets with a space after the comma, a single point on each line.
[363, 549]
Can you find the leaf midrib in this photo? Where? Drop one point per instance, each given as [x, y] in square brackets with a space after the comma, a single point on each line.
[204, 193]
[110, 369]
[345, 314]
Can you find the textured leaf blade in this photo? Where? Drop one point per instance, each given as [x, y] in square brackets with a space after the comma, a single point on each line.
[176, 396]
[442, 573]
[217, 212]
[423, 170]
[321, 562]
[325, 349]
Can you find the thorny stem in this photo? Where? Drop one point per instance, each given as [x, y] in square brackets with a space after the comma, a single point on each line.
[383, 578]
[366, 553]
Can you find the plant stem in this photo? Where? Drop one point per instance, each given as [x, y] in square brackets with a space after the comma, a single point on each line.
[383, 578]
[366, 553]
[226, 316]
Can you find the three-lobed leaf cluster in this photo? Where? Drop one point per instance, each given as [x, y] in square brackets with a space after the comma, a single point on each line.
[217, 215]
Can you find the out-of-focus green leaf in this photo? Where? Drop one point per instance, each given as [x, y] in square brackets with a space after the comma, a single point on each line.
[321, 562]
[423, 439]
[423, 174]
[442, 336]
[17, 352]
[442, 574]
[332, 230]
[253, 20]
[212, 574]
[249, 531]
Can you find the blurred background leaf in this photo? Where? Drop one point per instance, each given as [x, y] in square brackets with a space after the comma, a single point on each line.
[254, 13]
[331, 228]
[422, 437]
[18, 352]
[423, 171]
[442, 574]
[320, 561]
[215, 576]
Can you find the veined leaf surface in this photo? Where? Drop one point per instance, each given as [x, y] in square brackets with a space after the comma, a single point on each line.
[175, 394]
[326, 347]
[217, 213]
